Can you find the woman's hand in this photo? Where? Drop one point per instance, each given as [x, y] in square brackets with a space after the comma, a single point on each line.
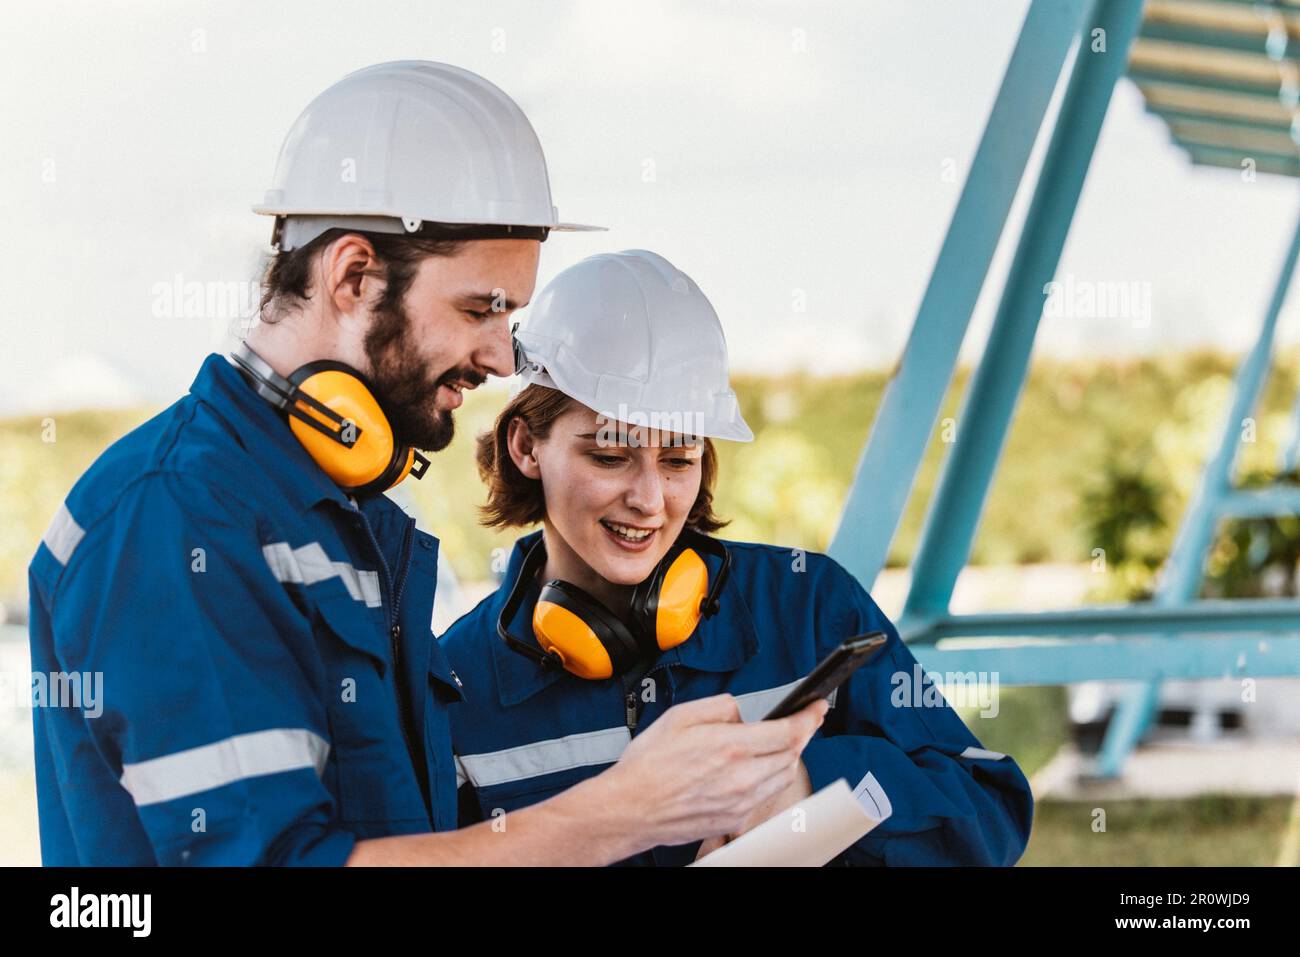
[699, 771]
[799, 789]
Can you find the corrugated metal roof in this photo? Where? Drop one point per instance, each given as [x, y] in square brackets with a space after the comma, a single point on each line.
[1225, 76]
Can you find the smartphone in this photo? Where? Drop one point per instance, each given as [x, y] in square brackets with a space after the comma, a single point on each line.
[830, 674]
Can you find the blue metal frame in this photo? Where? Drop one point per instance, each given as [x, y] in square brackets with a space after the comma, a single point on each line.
[1116, 621]
[1146, 660]
[910, 406]
[1291, 451]
[1171, 637]
[1181, 578]
[986, 412]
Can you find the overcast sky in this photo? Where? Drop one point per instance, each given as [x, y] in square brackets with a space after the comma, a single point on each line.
[798, 149]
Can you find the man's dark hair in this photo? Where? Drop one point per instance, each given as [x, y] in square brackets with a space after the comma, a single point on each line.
[287, 279]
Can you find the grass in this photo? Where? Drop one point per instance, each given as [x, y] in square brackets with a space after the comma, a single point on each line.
[1207, 831]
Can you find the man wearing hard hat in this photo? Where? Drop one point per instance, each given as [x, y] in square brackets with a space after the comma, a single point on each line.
[260, 611]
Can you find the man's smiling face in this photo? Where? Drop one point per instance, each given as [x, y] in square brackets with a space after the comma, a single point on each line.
[450, 332]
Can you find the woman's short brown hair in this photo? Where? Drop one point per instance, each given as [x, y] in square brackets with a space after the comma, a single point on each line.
[516, 500]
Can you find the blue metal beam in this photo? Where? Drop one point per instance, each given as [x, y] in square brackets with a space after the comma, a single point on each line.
[986, 413]
[1180, 579]
[1208, 39]
[1261, 502]
[1228, 122]
[1217, 615]
[1291, 451]
[1233, 152]
[1270, 91]
[889, 462]
[1143, 659]
[1231, 159]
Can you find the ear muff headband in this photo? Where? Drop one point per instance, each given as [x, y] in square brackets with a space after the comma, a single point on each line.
[577, 632]
[338, 419]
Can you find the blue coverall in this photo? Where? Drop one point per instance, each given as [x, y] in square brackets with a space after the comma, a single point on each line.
[271, 688]
[525, 733]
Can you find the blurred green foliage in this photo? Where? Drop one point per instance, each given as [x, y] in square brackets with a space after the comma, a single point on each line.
[42, 458]
[1256, 559]
[1123, 513]
[1102, 454]
[1132, 507]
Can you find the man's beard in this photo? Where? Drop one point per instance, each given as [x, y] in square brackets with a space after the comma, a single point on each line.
[400, 376]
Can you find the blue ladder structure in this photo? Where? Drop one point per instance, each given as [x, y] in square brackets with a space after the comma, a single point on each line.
[1175, 635]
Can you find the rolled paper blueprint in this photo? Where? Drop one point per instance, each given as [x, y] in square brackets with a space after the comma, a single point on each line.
[810, 833]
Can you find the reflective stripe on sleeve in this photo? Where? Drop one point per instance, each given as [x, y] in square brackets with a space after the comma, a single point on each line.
[461, 775]
[582, 750]
[308, 564]
[63, 535]
[224, 762]
[980, 754]
[543, 757]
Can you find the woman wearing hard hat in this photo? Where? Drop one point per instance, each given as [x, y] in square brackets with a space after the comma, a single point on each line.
[622, 604]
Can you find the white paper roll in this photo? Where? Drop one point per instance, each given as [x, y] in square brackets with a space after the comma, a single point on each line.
[810, 833]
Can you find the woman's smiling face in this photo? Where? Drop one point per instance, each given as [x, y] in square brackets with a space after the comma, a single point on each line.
[616, 496]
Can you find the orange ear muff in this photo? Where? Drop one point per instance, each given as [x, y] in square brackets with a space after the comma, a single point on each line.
[355, 446]
[561, 632]
[368, 455]
[680, 598]
[589, 639]
[574, 630]
[337, 417]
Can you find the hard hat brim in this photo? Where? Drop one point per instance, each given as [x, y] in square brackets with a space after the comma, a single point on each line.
[264, 210]
[733, 430]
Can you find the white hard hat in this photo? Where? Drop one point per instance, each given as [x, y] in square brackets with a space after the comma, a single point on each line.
[633, 338]
[392, 146]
